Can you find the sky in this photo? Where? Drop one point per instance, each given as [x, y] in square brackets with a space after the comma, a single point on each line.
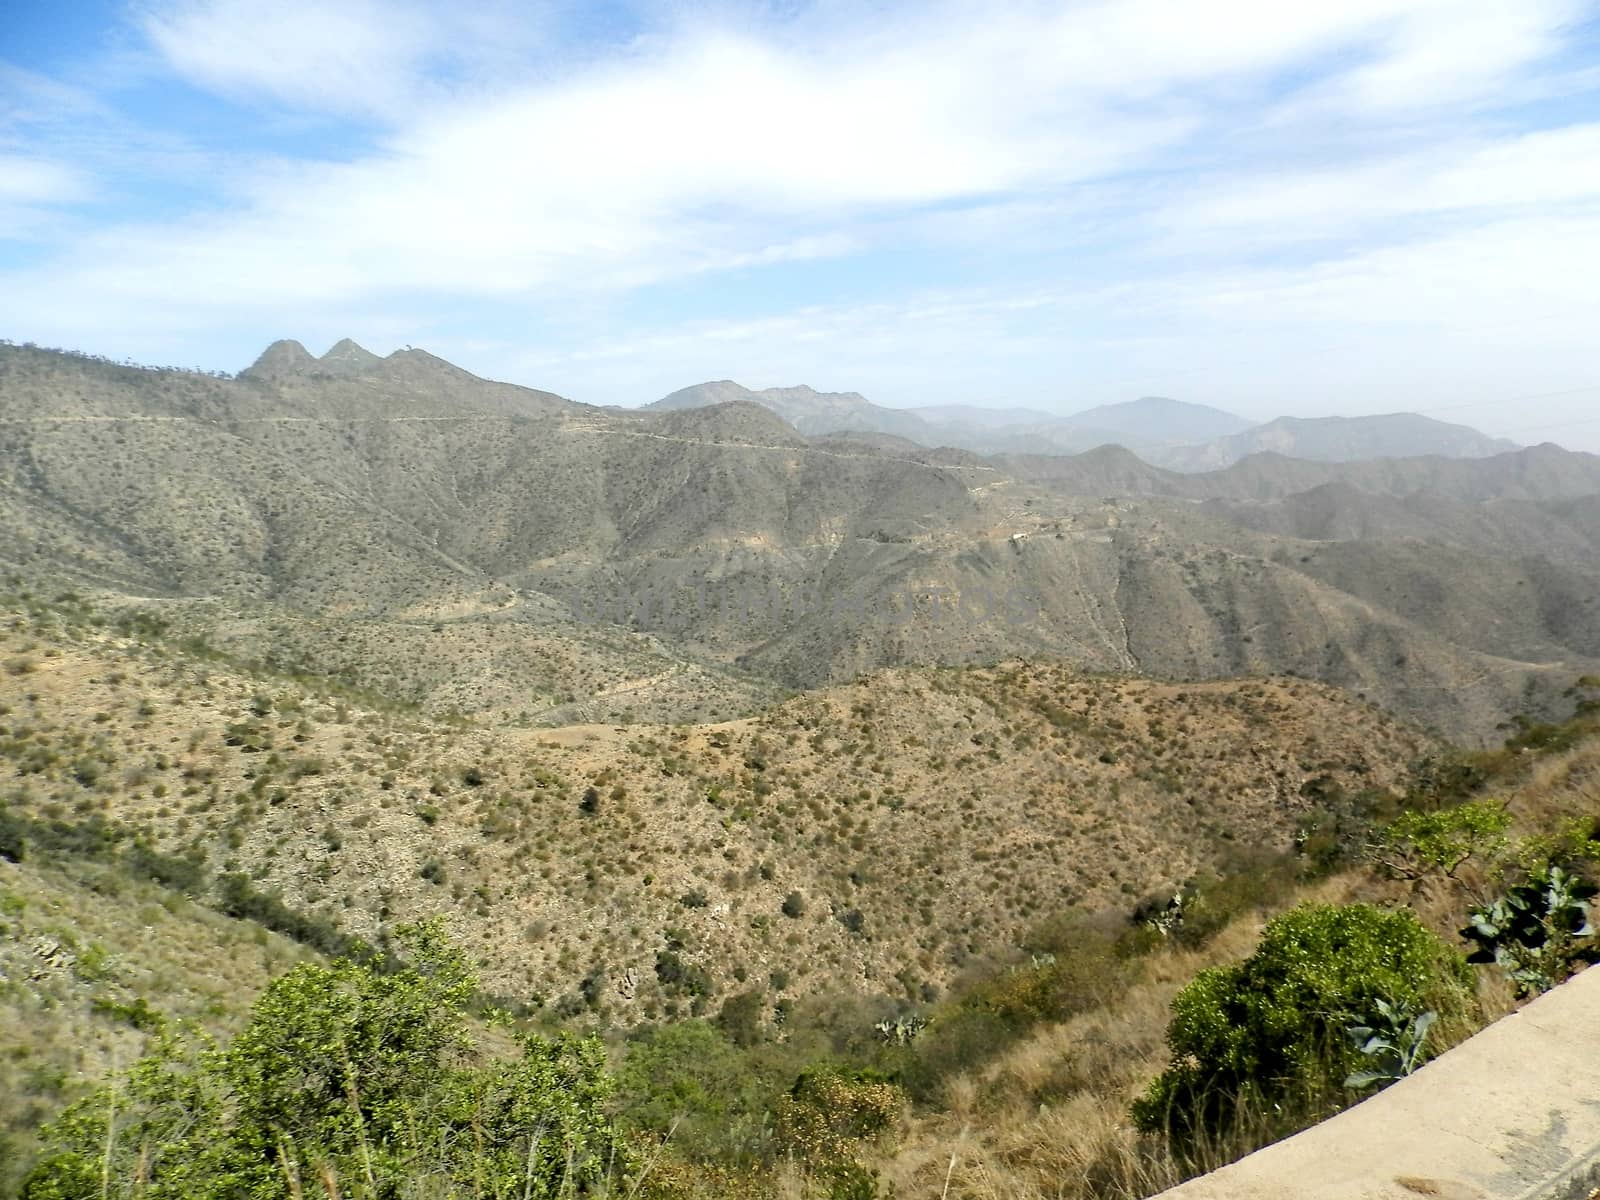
[1276, 208]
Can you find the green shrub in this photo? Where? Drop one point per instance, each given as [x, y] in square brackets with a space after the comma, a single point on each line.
[690, 1080]
[1538, 931]
[1268, 1034]
[740, 1017]
[136, 1013]
[1416, 842]
[344, 1083]
[13, 837]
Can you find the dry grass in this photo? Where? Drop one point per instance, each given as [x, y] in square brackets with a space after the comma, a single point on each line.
[928, 819]
[1048, 1118]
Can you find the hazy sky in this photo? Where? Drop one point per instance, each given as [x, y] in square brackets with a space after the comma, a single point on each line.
[1343, 206]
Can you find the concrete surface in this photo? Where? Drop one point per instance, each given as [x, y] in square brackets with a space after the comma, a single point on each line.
[1511, 1114]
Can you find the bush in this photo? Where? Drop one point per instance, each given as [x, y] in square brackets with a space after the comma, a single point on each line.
[186, 874]
[1538, 931]
[1415, 842]
[13, 838]
[740, 1018]
[688, 1079]
[348, 1083]
[831, 1115]
[1268, 1034]
[238, 897]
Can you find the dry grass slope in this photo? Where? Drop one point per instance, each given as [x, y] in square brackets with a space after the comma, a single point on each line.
[923, 818]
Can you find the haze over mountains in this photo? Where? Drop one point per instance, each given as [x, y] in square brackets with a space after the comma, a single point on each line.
[484, 546]
[1164, 432]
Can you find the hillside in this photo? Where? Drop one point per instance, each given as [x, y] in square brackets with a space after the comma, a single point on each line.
[92, 958]
[395, 521]
[568, 852]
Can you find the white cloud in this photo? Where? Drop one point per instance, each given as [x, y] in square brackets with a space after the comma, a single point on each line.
[1454, 51]
[38, 181]
[352, 55]
[1129, 129]
[1548, 171]
[31, 192]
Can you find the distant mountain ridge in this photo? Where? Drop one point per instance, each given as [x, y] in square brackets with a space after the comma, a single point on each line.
[812, 412]
[1164, 432]
[503, 546]
[1344, 439]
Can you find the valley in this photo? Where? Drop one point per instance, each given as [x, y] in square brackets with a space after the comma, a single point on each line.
[693, 727]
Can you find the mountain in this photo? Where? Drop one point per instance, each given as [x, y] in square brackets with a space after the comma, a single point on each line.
[815, 773]
[1341, 439]
[808, 410]
[1156, 420]
[1149, 422]
[1539, 473]
[1173, 434]
[468, 544]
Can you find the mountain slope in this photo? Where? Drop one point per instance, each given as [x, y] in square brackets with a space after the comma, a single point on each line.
[920, 816]
[1341, 439]
[715, 554]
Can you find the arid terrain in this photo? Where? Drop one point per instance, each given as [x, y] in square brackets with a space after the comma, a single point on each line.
[743, 748]
[473, 546]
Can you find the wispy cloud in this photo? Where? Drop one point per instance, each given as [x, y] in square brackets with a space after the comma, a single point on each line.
[1065, 171]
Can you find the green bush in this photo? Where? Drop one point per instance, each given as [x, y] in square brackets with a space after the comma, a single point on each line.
[344, 1083]
[689, 1080]
[1539, 931]
[1416, 842]
[1268, 1034]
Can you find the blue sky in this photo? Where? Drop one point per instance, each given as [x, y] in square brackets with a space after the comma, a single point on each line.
[1277, 208]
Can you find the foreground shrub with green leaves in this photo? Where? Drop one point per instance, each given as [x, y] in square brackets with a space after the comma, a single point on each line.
[1268, 1035]
[1539, 931]
[345, 1083]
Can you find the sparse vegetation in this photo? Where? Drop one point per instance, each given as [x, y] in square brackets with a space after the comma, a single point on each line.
[827, 939]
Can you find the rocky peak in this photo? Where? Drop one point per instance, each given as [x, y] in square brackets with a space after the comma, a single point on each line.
[284, 357]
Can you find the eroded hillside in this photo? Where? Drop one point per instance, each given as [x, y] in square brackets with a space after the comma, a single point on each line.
[465, 544]
[874, 838]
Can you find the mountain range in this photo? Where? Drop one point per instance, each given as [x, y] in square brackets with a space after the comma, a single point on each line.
[745, 746]
[484, 546]
[1163, 432]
